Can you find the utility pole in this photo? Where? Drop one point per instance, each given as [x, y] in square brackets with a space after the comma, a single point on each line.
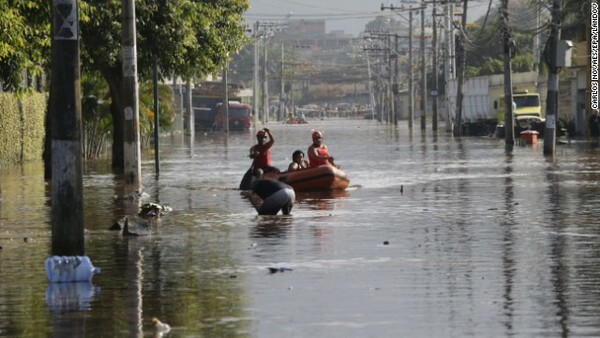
[536, 38]
[552, 99]
[280, 113]
[65, 111]
[423, 74]
[395, 87]
[189, 111]
[225, 99]
[391, 81]
[255, 78]
[265, 88]
[411, 85]
[131, 130]
[509, 130]
[411, 104]
[434, 90]
[448, 68]
[156, 123]
[461, 56]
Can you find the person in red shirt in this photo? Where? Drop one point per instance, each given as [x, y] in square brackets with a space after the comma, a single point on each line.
[260, 153]
[317, 152]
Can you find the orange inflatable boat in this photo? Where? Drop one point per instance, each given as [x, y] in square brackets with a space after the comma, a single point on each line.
[321, 178]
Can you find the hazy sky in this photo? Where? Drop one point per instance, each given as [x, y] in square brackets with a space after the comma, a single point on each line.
[348, 15]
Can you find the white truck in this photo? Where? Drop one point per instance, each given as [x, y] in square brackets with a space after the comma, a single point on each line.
[480, 109]
[477, 116]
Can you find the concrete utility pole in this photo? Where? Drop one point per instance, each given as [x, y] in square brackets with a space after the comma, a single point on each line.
[461, 56]
[156, 123]
[189, 112]
[411, 104]
[448, 65]
[509, 130]
[536, 38]
[434, 90]
[255, 77]
[423, 74]
[396, 88]
[280, 113]
[131, 130]
[411, 85]
[552, 98]
[390, 53]
[265, 88]
[391, 81]
[225, 103]
[65, 111]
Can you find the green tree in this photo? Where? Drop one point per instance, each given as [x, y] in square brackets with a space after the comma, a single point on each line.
[24, 42]
[166, 113]
[484, 43]
[186, 38]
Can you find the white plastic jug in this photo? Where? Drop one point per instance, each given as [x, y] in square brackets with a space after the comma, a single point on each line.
[64, 269]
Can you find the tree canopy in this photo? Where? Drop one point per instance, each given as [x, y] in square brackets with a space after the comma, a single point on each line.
[24, 42]
[185, 37]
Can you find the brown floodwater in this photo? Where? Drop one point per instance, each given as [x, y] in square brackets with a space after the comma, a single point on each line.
[435, 237]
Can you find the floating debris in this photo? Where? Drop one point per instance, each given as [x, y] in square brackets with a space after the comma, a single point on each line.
[276, 269]
[153, 210]
[136, 226]
[160, 328]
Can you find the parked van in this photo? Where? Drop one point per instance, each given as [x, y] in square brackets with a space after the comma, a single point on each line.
[239, 116]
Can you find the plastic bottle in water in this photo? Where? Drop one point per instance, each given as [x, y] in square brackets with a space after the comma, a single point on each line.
[64, 269]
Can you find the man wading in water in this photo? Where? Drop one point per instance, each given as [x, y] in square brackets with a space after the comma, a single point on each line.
[269, 196]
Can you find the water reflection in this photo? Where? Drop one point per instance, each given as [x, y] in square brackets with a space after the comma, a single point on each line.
[68, 304]
[508, 223]
[559, 271]
[70, 297]
[321, 200]
[481, 242]
[272, 226]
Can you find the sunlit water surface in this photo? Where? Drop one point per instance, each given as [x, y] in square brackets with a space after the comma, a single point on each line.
[436, 237]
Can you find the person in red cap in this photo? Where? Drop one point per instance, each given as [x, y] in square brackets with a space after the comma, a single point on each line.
[260, 153]
[317, 152]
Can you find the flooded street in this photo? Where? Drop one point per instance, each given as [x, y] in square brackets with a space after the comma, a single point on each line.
[436, 237]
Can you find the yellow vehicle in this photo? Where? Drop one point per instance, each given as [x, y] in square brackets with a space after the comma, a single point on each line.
[528, 106]
[528, 111]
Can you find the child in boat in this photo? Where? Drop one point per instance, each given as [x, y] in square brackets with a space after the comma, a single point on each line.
[317, 152]
[298, 161]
